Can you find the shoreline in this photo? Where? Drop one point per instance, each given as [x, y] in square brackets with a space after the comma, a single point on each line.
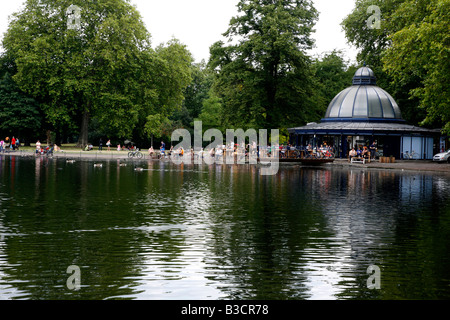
[402, 165]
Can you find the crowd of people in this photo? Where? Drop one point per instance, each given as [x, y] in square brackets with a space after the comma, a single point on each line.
[324, 151]
[237, 150]
[251, 149]
[12, 144]
[363, 152]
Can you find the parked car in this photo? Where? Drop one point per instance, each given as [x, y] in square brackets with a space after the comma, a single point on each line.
[442, 157]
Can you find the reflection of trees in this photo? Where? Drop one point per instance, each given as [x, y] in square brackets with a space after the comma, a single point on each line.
[222, 229]
[257, 239]
[74, 218]
[422, 244]
[397, 232]
[283, 237]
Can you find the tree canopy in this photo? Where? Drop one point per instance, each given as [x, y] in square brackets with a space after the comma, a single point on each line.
[103, 68]
[332, 74]
[19, 113]
[263, 75]
[409, 53]
[420, 49]
[83, 67]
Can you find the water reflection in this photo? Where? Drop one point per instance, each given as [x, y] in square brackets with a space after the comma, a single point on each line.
[220, 231]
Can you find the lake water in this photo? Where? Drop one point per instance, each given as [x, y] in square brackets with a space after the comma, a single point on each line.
[220, 232]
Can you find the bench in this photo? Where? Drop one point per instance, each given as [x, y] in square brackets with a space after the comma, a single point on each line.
[358, 160]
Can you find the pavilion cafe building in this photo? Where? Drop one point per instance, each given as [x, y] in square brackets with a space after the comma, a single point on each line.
[362, 114]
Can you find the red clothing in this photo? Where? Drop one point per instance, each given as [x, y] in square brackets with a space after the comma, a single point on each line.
[13, 141]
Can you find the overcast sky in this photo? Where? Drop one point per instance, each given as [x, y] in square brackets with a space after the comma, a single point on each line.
[200, 23]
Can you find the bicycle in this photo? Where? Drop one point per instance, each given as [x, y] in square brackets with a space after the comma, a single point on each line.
[135, 154]
[413, 155]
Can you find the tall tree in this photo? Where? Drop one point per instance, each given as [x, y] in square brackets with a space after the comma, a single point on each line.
[332, 74]
[373, 40]
[421, 49]
[212, 113]
[370, 38]
[85, 59]
[198, 89]
[19, 113]
[262, 74]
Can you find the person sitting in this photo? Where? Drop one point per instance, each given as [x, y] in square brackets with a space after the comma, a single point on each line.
[352, 154]
[219, 153]
[49, 150]
[151, 152]
[38, 147]
[359, 152]
[366, 153]
[309, 149]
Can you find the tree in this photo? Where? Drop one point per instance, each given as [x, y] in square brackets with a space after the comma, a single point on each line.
[19, 113]
[420, 49]
[100, 66]
[264, 79]
[371, 39]
[157, 126]
[373, 43]
[198, 90]
[332, 75]
[212, 113]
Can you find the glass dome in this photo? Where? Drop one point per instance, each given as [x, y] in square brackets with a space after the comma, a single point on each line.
[363, 101]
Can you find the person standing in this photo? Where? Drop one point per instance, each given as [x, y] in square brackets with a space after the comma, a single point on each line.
[17, 143]
[13, 143]
[373, 149]
[38, 147]
[162, 149]
[108, 144]
[100, 145]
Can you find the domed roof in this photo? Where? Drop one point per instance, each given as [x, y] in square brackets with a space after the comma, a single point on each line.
[363, 101]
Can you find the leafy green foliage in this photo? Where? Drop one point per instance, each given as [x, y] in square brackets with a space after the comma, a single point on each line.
[332, 74]
[409, 54]
[106, 69]
[263, 77]
[421, 49]
[19, 113]
[212, 113]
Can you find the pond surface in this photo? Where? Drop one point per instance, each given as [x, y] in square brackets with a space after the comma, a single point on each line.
[220, 232]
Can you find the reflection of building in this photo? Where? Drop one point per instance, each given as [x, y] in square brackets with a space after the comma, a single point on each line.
[364, 113]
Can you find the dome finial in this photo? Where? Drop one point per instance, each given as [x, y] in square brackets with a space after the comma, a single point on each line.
[364, 76]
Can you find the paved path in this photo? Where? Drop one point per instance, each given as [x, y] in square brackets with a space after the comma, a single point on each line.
[413, 165]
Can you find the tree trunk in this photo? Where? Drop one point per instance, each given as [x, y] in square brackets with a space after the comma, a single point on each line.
[49, 137]
[84, 131]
